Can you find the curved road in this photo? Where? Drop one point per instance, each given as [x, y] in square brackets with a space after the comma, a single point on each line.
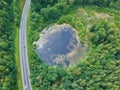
[23, 49]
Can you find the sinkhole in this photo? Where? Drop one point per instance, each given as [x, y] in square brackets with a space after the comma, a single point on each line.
[59, 45]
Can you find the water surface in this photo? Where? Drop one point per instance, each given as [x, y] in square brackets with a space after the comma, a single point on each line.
[60, 46]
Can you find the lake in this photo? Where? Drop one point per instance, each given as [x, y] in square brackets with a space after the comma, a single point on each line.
[59, 45]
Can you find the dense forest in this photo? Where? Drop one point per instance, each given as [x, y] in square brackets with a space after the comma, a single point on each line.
[9, 25]
[7, 61]
[98, 25]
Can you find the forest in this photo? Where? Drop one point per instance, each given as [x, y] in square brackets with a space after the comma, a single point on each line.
[98, 25]
[7, 60]
[10, 11]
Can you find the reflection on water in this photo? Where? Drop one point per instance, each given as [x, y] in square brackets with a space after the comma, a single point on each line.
[60, 46]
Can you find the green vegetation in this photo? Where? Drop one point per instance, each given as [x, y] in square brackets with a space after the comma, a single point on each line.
[18, 7]
[102, 3]
[19, 78]
[10, 74]
[97, 24]
[8, 70]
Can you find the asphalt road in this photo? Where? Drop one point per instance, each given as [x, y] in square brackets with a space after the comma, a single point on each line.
[23, 49]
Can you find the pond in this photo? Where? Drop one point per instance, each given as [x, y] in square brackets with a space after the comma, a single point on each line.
[59, 45]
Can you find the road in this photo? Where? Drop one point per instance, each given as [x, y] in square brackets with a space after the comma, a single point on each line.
[23, 49]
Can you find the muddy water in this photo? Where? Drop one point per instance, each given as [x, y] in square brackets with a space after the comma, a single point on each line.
[59, 46]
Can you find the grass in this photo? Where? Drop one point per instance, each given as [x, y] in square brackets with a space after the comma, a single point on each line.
[17, 59]
[29, 47]
[28, 31]
[28, 25]
[21, 5]
[16, 43]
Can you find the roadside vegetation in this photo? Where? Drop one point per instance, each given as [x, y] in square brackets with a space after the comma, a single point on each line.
[10, 74]
[18, 8]
[98, 26]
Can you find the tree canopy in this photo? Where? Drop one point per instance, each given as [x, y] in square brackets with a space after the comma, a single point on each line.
[101, 67]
